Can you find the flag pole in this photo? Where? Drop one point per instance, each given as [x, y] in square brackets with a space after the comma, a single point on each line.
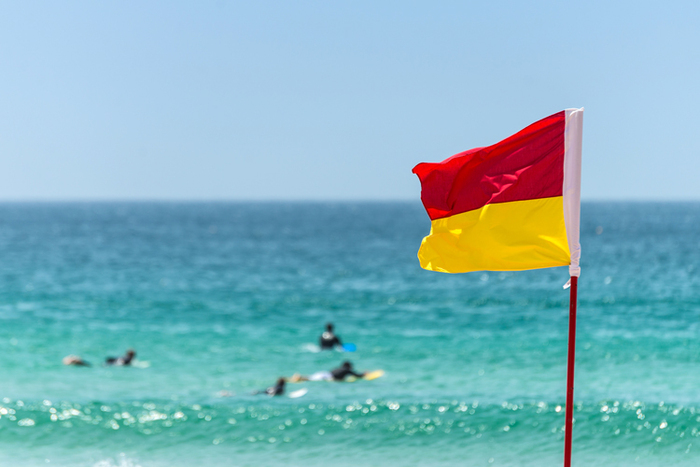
[570, 372]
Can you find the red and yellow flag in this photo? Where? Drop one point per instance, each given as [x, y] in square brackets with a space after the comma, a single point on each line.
[507, 207]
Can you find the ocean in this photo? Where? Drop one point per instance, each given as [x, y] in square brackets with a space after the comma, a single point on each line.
[221, 299]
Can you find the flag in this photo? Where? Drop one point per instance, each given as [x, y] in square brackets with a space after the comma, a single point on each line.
[511, 206]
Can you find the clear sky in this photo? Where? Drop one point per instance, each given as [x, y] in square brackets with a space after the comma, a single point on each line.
[336, 100]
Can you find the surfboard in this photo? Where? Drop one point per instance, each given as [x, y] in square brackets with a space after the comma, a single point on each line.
[367, 377]
[373, 375]
[313, 348]
[298, 393]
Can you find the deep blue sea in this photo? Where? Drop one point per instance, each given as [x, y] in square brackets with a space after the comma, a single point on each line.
[221, 299]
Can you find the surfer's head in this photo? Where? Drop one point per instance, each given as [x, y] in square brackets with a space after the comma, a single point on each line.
[329, 327]
[347, 364]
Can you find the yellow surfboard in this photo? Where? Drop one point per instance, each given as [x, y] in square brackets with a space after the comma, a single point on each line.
[369, 376]
[373, 375]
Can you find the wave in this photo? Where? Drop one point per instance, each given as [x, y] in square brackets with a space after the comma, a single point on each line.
[249, 420]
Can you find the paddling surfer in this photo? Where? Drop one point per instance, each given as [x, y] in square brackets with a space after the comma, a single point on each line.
[336, 374]
[74, 360]
[124, 360]
[276, 390]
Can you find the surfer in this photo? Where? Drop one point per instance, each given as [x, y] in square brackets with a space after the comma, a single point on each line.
[336, 374]
[74, 360]
[328, 339]
[276, 390]
[121, 361]
[345, 370]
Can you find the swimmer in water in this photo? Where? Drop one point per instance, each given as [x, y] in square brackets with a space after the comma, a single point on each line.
[74, 360]
[276, 390]
[328, 340]
[122, 361]
[336, 374]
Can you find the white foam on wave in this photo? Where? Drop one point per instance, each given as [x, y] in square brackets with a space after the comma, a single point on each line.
[122, 461]
[313, 348]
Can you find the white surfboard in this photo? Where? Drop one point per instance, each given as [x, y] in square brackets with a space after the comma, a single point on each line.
[298, 393]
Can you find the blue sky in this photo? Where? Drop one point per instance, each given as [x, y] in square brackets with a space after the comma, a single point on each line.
[336, 100]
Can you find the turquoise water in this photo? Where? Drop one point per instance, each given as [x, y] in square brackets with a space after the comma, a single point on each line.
[224, 298]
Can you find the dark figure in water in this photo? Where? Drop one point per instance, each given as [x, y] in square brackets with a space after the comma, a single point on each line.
[122, 361]
[74, 360]
[276, 390]
[328, 340]
[345, 370]
[336, 374]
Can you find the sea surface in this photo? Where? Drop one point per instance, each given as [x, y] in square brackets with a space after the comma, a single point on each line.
[221, 299]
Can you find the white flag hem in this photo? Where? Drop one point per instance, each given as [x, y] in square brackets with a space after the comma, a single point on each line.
[573, 145]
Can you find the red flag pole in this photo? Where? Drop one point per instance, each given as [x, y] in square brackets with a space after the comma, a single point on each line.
[570, 372]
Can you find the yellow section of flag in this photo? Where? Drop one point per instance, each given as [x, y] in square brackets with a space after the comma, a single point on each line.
[510, 236]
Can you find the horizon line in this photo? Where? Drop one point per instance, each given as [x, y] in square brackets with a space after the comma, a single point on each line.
[296, 200]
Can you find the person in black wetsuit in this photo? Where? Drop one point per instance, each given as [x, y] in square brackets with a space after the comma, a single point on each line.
[328, 339]
[276, 390]
[345, 370]
[121, 361]
[336, 374]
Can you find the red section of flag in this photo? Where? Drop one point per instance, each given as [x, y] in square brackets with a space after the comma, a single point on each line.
[527, 165]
